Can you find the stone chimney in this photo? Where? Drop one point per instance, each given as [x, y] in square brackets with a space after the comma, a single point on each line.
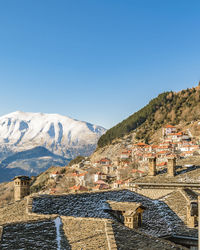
[152, 165]
[21, 187]
[171, 165]
[192, 214]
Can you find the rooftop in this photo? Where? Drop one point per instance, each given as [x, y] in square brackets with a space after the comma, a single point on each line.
[124, 206]
[85, 224]
[22, 177]
[158, 218]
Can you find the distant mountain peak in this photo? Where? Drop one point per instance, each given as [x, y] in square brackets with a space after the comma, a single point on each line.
[60, 134]
[32, 142]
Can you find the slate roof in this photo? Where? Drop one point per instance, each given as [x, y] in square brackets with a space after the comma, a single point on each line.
[78, 233]
[158, 219]
[134, 239]
[95, 234]
[124, 206]
[79, 229]
[189, 194]
[22, 177]
[35, 235]
[16, 212]
[178, 201]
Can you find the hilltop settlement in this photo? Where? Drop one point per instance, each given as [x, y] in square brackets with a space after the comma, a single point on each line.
[133, 162]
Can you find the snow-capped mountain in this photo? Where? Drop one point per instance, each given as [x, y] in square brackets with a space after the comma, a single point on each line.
[59, 134]
[32, 142]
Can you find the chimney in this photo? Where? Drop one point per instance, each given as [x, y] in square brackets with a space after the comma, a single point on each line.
[21, 187]
[171, 165]
[192, 214]
[152, 166]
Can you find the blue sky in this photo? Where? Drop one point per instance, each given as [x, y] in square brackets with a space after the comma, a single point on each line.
[95, 60]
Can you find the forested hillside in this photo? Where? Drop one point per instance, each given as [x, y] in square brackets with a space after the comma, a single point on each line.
[168, 107]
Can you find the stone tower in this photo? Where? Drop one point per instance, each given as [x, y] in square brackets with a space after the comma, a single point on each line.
[171, 165]
[21, 187]
[152, 166]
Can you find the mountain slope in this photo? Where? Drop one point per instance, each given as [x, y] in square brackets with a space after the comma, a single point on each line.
[37, 152]
[168, 107]
[29, 162]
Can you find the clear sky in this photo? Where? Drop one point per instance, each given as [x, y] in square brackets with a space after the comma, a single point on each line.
[95, 60]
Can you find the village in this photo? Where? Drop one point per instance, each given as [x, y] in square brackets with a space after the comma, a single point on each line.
[131, 164]
[141, 200]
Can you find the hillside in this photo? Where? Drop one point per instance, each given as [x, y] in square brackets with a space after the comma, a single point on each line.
[169, 107]
[29, 162]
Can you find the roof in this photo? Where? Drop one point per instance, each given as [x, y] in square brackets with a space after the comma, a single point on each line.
[22, 178]
[148, 155]
[79, 188]
[55, 172]
[161, 164]
[158, 219]
[126, 152]
[119, 182]
[124, 206]
[162, 152]
[166, 146]
[100, 182]
[189, 194]
[179, 133]
[187, 152]
[140, 144]
[178, 201]
[101, 186]
[100, 173]
[169, 126]
[134, 239]
[82, 174]
[172, 156]
[104, 160]
[137, 171]
[76, 232]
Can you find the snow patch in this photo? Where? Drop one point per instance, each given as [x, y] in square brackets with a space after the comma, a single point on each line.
[58, 224]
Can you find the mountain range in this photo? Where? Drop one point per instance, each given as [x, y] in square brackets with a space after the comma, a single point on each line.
[32, 142]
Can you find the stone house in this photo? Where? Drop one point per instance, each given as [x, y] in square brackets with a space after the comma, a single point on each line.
[126, 154]
[105, 161]
[187, 154]
[109, 169]
[82, 178]
[169, 129]
[100, 176]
